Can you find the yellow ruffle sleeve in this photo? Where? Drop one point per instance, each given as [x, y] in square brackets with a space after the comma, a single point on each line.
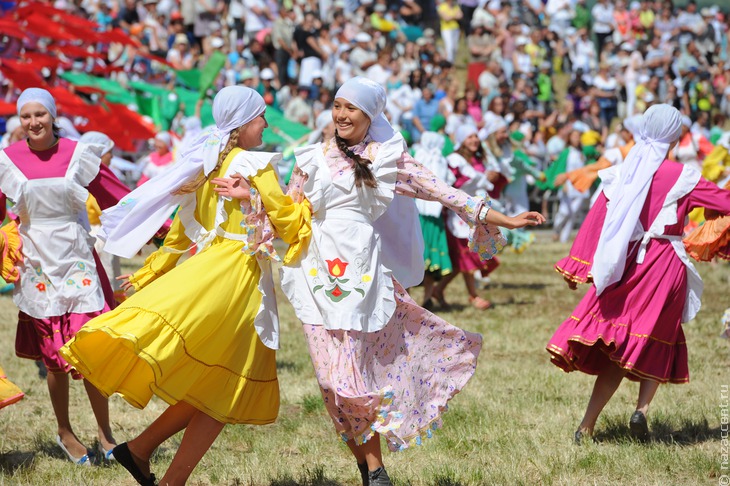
[165, 258]
[10, 246]
[292, 220]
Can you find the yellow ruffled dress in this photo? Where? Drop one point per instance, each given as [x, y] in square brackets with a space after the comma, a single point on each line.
[189, 333]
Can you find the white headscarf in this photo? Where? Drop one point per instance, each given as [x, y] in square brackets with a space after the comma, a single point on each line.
[633, 124]
[323, 119]
[165, 138]
[37, 95]
[12, 124]
[130, 224]
[429, 152]
[462, 133]
[370, 97]
[662, 125]
[492, 123]
[67, 128]
[98, 138]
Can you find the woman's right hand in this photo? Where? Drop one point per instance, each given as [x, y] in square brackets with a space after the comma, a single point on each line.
[236, 187]
[126, 284]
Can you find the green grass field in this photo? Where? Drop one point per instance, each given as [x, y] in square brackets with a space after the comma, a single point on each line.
[513, 424]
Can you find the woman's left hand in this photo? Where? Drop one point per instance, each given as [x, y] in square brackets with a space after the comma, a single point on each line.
[236, 187]
[529, 218]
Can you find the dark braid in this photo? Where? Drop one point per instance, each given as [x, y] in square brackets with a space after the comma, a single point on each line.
[363, 174]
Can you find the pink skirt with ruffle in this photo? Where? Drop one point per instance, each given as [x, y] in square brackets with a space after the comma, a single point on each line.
[396, 381]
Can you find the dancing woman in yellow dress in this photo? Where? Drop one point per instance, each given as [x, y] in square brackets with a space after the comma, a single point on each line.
[201, 335]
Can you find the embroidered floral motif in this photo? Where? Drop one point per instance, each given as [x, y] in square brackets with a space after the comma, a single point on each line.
[338, 287]
[41, 287]
[336, 267]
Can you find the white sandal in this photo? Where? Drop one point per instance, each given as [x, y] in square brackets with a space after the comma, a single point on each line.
[79, 461]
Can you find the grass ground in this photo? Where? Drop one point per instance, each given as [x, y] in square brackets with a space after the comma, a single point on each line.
[512, 424]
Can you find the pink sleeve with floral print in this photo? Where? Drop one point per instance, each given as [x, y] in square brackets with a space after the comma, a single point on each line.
[416, 181]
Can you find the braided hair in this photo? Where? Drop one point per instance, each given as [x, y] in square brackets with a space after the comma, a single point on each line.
[363, 174]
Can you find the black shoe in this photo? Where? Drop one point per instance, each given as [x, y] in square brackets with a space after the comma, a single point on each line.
[639, 426]
[124, 457]
[364, 473]
[428, 305]
[379, 477]
[581, 437]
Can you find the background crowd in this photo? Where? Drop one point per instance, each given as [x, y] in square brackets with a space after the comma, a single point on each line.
[546, 83]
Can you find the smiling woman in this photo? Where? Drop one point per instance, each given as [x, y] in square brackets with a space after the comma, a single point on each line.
[61, 282]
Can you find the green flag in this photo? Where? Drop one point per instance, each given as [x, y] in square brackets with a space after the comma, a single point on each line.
[211, 70]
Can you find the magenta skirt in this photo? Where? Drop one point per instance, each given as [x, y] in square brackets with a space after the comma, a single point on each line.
[40, 339]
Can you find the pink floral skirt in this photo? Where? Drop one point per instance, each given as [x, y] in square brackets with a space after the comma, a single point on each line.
[396, 381]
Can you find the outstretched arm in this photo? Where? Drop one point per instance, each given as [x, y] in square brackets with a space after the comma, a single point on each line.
[416, 181]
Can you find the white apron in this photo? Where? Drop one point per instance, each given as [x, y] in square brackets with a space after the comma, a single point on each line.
[667, 216]
[341, 280]
[58, 274]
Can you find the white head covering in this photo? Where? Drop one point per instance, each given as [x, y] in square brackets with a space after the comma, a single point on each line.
[67, 128]
[37, 95]
[429, 151]
[633, 124]
[130, 224]
[193, 127]
[323, 119]
[98, 138]
[370, 97]
[661, 126]
[462, 133]
[492, 123]
[165, 138]
[686, 121]
[12, 124]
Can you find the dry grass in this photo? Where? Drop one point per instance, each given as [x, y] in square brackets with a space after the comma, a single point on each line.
[512, 424]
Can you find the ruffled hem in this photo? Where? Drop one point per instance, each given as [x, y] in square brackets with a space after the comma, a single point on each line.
[10, 248]
[130, 367]
[709, 240]
[9, 392]
[486, 240]
[591, 344]
[389, 420]
[575, 269]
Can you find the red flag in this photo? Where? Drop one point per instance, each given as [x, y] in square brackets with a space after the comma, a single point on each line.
[10, 28]
[7, 109]
[119, 36]
[72, 51]
[22, 75]
[41, 26]
[39, 60]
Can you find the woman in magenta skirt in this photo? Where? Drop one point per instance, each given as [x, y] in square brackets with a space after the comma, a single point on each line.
[629, 323]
